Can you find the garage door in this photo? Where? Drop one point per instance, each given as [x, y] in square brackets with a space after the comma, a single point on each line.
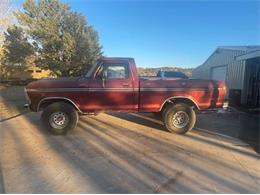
[219, 73]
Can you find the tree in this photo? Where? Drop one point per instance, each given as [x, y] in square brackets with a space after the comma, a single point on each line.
[6, 17]
[16, 48]
[61, 38]
[16, 54]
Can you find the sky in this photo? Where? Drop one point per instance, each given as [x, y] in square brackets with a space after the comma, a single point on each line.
[170, 33]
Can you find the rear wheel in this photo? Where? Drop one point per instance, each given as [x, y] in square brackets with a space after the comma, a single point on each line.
[59, 117]
[179, 118]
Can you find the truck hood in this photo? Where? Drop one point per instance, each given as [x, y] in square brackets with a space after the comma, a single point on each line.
[64, 82]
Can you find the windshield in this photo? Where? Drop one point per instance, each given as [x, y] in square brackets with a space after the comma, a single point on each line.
[91, 70]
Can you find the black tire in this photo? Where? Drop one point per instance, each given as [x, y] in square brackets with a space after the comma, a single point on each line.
[60, 109]
[184, 115]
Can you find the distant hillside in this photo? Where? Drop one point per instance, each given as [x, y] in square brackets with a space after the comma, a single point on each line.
[153, 71]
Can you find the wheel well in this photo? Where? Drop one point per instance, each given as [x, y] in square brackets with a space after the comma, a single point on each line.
[173, 100]
[44, 103]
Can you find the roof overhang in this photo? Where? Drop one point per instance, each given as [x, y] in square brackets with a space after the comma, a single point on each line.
[253, 54]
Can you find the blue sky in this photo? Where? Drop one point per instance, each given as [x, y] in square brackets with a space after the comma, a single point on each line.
[170, 33]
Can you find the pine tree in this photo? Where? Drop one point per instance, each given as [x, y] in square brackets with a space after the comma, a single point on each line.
[16, 48]
[62, 40]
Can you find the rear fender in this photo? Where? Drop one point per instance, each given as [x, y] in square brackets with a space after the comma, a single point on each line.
[183, 99]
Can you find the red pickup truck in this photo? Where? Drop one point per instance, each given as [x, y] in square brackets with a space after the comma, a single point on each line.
[112, 84]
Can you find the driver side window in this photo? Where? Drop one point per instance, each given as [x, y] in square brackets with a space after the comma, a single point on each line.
[113, 71]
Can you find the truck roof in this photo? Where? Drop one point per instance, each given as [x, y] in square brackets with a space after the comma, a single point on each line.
[116, 58]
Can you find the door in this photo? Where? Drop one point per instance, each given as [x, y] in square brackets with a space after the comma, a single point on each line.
[112, 89]
[254, 83]
[219, 73]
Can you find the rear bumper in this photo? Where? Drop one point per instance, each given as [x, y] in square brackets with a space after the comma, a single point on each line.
[221, 109]
[208, 111]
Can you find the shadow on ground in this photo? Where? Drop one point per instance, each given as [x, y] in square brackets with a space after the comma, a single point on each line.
[12, 100]
[238, 125]
[119, 153]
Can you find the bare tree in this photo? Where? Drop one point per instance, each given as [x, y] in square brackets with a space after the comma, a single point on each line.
[6, 17]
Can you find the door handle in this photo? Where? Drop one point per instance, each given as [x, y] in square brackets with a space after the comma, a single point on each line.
[125, 84]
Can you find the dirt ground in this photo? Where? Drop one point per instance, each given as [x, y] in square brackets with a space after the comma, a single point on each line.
[122, 153]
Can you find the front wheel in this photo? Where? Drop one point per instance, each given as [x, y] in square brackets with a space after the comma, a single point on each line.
[59, 117]
[179, 118]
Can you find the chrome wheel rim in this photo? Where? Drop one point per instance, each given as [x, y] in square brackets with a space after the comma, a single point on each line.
[59, 120]
[180, 119]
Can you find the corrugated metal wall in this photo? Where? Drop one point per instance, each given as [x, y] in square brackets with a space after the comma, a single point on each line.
[235, 69]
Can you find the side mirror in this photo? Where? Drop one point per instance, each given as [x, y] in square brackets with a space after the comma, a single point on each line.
[103, 81]
[100, 77]
[103, 78]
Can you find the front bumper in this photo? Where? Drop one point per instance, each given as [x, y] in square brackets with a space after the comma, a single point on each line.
[27, 105]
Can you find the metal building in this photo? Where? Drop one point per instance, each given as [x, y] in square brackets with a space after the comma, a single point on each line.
[239, 67]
